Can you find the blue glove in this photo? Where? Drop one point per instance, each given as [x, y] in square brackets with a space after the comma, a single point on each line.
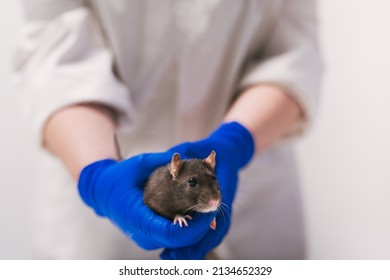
[115, 190]
[234, 147]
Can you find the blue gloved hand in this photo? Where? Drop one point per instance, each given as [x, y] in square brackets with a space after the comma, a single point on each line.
[115, 190]
[234, 147]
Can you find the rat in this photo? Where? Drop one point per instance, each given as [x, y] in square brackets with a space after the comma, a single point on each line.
[183, 187]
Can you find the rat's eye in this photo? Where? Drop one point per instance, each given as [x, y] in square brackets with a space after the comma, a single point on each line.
[214, 178]
[192, 182]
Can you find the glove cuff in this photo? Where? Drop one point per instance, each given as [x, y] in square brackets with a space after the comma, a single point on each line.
[241, 141]
[87, 179]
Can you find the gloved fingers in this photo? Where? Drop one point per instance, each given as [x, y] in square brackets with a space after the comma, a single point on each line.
[154, 231]
[198, 251]
[151, 161]
[138, 168]
[169, 235]
[145, 243]
[133, 217]
[174, 236]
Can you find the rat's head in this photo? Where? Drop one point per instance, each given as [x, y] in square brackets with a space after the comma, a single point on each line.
[195, 183]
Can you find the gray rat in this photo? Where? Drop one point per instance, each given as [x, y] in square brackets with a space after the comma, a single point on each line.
[182, 187]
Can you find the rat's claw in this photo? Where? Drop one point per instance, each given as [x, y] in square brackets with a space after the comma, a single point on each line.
[181, 220]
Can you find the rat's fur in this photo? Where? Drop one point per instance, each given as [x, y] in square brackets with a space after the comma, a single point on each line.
[169, 194]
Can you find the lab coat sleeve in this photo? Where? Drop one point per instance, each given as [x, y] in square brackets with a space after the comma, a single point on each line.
[290, 59]
[61, 59]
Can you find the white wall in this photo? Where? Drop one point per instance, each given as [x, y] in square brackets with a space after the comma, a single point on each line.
[345, 159]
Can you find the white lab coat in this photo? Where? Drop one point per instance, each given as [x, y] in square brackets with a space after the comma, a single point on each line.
[171, 68]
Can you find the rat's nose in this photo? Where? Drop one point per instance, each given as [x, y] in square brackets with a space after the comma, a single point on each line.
[214, 203]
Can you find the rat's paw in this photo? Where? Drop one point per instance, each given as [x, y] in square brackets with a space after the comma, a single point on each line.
[181, 220]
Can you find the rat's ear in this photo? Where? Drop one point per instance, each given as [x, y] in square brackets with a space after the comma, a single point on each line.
[210, 160]
[175, 165]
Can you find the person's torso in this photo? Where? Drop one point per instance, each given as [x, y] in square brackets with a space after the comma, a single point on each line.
[181, 61]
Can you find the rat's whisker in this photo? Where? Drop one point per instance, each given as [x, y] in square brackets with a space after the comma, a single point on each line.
[193, 208]
[220, 210]
[224, 206]
[225, 209]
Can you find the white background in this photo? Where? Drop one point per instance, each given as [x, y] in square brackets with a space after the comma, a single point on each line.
[345, 159]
